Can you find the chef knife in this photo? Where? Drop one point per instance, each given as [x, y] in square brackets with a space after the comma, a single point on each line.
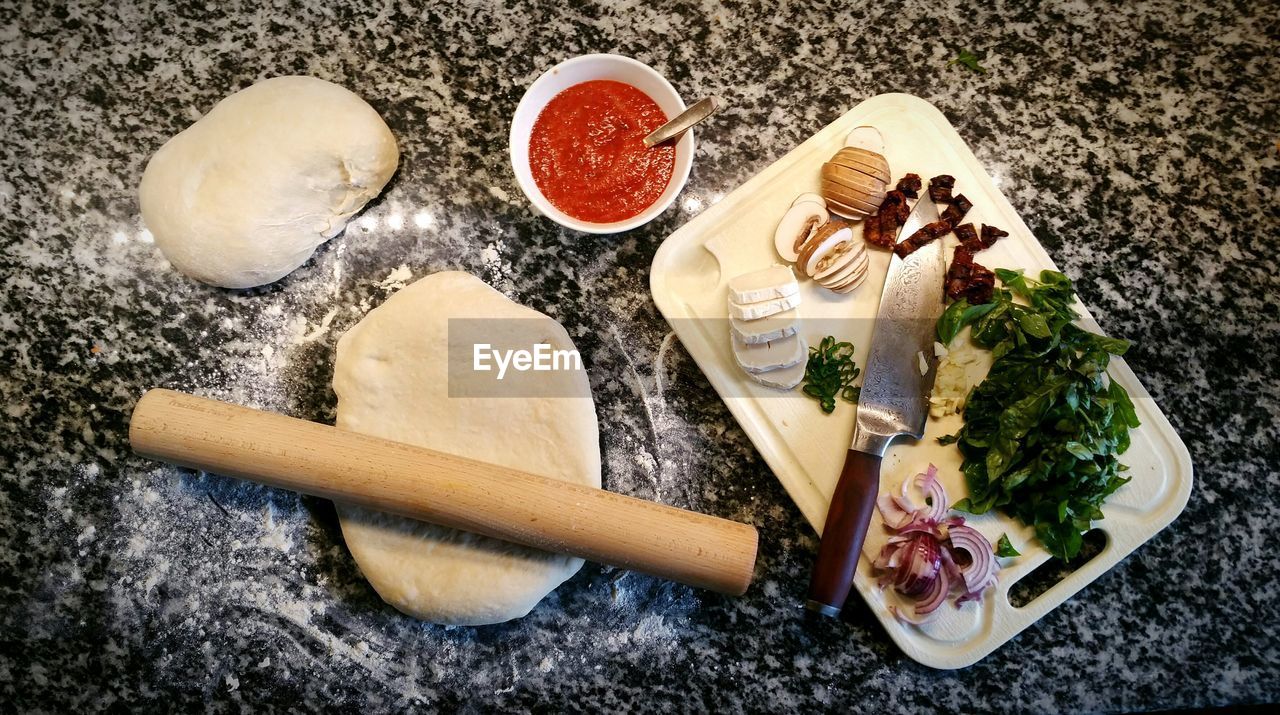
[894, 401]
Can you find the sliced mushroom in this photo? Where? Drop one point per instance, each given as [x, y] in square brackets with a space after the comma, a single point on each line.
[838, 259]
[855, 182]
[865, 137]
[823, 242]
[798, 225]
[815, 198]
[851, 285]
[845, 272]
[856, 262]
[852, 281]
[864, 161]
[850, 276]
[843, 255]
[853, 198]
[853, 178]
[846, 211]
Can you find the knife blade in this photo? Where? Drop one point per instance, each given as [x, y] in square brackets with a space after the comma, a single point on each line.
[894, 401]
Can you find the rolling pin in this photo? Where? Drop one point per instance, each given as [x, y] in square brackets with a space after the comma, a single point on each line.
[444, 489]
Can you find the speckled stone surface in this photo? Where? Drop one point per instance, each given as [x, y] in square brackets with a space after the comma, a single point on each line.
[1138, 141]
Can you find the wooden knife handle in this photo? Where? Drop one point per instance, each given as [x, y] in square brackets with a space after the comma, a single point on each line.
[445, 489]
[846, 528]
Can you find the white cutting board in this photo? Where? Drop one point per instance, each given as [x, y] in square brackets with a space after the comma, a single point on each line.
[805, 448]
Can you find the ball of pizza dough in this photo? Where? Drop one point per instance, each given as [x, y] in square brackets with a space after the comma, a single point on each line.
[393, 381]
[243, 196]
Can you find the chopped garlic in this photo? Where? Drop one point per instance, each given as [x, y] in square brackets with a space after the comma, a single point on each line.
[961, 367]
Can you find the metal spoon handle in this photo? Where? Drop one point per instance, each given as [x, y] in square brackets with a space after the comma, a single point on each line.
[689, 117]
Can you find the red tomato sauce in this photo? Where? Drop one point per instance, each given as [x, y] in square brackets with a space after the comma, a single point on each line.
[588, 156]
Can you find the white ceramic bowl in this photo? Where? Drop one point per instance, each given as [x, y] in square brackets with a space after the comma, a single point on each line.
[584, 69]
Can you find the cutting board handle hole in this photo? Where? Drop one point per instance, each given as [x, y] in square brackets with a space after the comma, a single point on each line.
[1049, 573]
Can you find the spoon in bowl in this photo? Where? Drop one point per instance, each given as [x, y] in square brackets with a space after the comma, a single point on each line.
[673, 129]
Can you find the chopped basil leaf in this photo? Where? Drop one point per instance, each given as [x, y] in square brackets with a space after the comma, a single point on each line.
[1004, 549]
[1043, 432]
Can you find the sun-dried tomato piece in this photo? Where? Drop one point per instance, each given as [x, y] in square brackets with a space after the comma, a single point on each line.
[881, 229]
[969, 280]
[956, 211]
[958, 273]
[991, 234]
[940, 188]
[968, 236]
[871, 230]
[913, 243]
[910, 185]
[982, 284]
[902, 211]
[937, 229]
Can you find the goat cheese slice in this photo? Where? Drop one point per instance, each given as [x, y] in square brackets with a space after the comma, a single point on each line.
[764, 308]
[773, 327]
[773, 282]
[785, 378]
[773, 355]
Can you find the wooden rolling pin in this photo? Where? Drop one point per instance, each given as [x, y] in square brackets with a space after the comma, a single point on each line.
[444, 489]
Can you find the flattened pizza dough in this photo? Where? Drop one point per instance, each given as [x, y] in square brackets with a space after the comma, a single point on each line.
[392, 381]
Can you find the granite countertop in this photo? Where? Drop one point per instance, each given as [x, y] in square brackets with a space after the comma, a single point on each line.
[1138, 141]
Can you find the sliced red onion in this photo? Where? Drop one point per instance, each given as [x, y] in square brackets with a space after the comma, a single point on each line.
[980, 571]
[919, 569]
[926, 608]
[895, 517]
[920, 560]
[904, 503]
[920, 526]
[937, 496]
[975, 595]
[888, 557]
[937, 594]
[935, 506]
[949, 565]
[914, 619]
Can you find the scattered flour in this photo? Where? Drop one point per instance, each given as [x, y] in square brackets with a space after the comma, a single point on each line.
[219, 567]
[320, 330]
[396, 279]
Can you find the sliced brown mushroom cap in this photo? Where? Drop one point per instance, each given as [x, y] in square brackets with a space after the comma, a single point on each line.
[846, 211]
[864, 155]
[815, 198]
[865, 137]
[854, 179]
[842, 263]
[855, 182]
[864, 161]
[836, 256]
[851, 284]
[823, 242]
[839, 193]
[848, 279]
[798, 225]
